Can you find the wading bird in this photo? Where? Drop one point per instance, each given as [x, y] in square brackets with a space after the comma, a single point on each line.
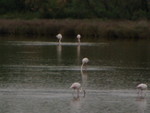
[78, 37]
[77, 87]
[84, 62]
[59, 37]
[141, 88]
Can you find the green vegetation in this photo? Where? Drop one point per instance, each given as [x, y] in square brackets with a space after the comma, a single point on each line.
[77, 9]
[68, 27]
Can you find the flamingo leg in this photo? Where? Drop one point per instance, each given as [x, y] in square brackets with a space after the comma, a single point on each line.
[145, 93]
[84, 93]
[139, 92]
[85, 66]
[73, 92]
[59, 41]
[77, 93]
[79, 40]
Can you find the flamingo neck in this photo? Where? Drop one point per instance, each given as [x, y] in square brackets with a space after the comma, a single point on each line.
[82, 67]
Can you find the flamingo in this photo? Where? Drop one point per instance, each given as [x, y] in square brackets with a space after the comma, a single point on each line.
[59, 36]
[84, 62]
[77, 86]
[78, 37]
[141, 87]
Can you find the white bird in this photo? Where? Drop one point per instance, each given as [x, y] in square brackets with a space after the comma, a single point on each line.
[84, 62]
[77, 86]
[59, 37]
[141, 87]
[78, 37]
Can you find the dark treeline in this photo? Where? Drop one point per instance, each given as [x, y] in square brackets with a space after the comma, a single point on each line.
[78, 9]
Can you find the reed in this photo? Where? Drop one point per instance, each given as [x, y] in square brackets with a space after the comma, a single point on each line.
[122, 29]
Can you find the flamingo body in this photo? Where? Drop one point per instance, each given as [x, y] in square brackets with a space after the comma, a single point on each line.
[59, 37]
[78, 37]
[77, 86]
[141, 87]
[85, 60]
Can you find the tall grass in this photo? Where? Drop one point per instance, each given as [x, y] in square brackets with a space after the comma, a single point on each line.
[68, 27]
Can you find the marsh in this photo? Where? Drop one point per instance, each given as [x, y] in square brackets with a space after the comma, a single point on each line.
[35, 76]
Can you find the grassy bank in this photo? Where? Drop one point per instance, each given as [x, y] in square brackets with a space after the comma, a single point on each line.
[87, 28]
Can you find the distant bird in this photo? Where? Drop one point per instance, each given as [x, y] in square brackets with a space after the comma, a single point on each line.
[77, 87]
[59, 37]
[84, 62]
[78, 37]
[141, 87]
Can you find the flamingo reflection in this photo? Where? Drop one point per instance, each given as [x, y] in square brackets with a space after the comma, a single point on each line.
[78, 54]
[141, 104]
[59, 52]
[75, 105]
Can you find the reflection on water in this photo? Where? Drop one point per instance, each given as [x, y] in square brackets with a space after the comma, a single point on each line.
[35, 76]
[141, 105]
[78, 54]
[75, 105]
[45, 101]
[59, 51]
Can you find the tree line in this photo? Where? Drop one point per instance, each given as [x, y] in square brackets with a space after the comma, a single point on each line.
[79, 9]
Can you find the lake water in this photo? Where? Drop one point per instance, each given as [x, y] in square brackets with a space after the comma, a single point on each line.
[35, 76]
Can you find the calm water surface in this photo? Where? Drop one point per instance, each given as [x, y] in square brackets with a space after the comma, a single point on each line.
[35, 76]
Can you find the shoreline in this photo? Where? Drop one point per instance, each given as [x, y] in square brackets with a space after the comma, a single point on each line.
[111, 29]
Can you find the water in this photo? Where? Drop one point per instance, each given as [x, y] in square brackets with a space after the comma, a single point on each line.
[35, 76]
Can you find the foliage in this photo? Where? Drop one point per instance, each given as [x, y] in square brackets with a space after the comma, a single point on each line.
[105, 9]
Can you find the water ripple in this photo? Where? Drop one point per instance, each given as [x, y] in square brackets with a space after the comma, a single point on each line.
[75, 68]
[38, 43]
